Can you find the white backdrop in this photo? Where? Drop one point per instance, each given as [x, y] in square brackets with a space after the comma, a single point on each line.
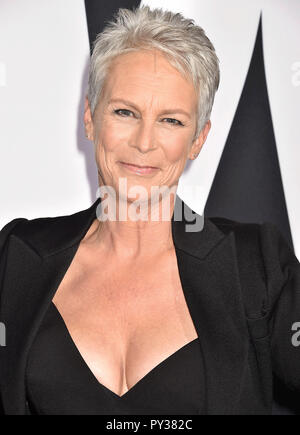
[44, 50]
[47, 166]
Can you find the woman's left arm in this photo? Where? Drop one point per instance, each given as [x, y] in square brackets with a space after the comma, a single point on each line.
[283, 270]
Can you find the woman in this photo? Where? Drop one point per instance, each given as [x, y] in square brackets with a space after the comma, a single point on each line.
[143, 316]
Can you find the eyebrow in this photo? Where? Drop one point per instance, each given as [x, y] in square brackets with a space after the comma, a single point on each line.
[164, 112]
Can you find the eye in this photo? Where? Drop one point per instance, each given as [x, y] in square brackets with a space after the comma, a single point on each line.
[124, 113]
[176, 120]
[119, 111]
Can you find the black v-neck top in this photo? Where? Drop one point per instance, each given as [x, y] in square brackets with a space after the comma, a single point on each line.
[59, 382]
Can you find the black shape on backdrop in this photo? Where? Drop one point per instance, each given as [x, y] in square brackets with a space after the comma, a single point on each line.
[99, 12]
[247, 185]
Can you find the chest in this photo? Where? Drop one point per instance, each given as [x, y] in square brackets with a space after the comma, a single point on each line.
[125, 321]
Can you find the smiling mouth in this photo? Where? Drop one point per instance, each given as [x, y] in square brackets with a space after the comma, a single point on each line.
[139, 170]
[138, 166]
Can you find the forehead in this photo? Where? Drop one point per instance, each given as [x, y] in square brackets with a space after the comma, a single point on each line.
[148, 73]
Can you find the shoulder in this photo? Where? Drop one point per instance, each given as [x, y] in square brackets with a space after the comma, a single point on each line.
[29, 228]
[269, 243]
[47, 235]
[39, 234]
[270, 235]
[248, 235]
[227, 225]
[10, 228]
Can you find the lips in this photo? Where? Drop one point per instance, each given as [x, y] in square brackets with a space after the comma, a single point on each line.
[139, 170]
[139, 166]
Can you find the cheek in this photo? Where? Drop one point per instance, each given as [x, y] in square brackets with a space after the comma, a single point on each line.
[176, 151]
[108, 137]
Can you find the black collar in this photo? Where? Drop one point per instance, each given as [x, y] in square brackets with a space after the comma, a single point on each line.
[52, 235]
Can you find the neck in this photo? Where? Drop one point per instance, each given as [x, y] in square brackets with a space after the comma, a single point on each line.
[135, 232]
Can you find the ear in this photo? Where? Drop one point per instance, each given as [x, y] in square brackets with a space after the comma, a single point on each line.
[199, 141]
[88, 120]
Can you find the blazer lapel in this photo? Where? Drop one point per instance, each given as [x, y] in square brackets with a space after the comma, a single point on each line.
[208, 270]
[37, 262]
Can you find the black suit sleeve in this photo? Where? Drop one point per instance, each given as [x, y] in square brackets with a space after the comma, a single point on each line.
[283, 270]
[5, 232]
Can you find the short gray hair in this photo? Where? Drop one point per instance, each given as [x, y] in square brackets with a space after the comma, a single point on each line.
[184, 44]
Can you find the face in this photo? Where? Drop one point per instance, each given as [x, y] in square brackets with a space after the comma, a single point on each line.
[146, 116]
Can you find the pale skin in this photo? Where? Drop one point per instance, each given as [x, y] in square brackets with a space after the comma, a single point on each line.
[112, 299]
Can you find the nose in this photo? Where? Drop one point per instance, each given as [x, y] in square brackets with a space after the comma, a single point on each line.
[144, 136]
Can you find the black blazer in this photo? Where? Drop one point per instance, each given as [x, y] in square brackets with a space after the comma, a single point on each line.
[240, 353]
